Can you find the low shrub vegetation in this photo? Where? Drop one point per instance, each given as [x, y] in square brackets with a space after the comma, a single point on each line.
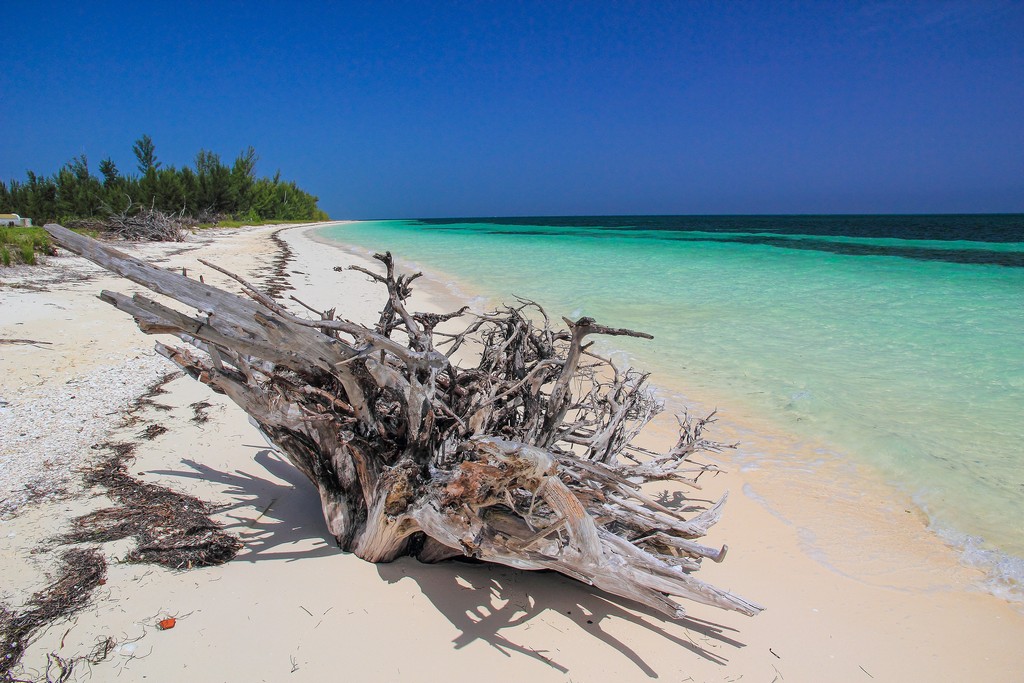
[21, 245]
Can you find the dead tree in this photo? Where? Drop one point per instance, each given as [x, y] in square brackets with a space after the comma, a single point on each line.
[522, 455]
[138, 223]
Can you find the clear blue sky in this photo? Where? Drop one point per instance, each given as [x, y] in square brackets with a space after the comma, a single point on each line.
[504, 108]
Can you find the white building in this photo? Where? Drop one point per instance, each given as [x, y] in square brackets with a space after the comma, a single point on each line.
[14, 219]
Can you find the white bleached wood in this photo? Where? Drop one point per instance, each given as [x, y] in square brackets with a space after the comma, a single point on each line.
[517, 458]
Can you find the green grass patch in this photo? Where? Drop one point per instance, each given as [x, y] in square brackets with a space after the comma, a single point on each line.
[88, 232]
[21, 245]
[27, 253]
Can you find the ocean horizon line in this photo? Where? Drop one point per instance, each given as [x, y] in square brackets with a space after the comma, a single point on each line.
[909, 214]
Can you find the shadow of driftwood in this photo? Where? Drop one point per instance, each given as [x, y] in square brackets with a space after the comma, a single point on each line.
[683, 502]
[288, 525]
[482, 600]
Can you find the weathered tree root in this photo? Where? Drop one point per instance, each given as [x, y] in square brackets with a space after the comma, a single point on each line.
[524, 457]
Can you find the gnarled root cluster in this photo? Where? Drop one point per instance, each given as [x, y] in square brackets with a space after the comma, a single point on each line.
[521, 455]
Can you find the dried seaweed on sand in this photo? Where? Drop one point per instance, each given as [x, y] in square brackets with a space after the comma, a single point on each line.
[172, 529]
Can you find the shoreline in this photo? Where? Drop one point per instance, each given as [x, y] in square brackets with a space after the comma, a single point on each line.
[828, 498]
[820, 625]
[876, 536]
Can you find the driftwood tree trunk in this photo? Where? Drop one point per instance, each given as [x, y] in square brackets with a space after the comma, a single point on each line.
[523, 458]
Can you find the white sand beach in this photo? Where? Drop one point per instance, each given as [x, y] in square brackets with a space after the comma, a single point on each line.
[291, 606]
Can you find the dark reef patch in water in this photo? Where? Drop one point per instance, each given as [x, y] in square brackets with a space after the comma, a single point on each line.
[971, 227]
[787, 232]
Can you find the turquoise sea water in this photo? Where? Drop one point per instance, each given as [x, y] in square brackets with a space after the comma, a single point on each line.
[897, 341]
